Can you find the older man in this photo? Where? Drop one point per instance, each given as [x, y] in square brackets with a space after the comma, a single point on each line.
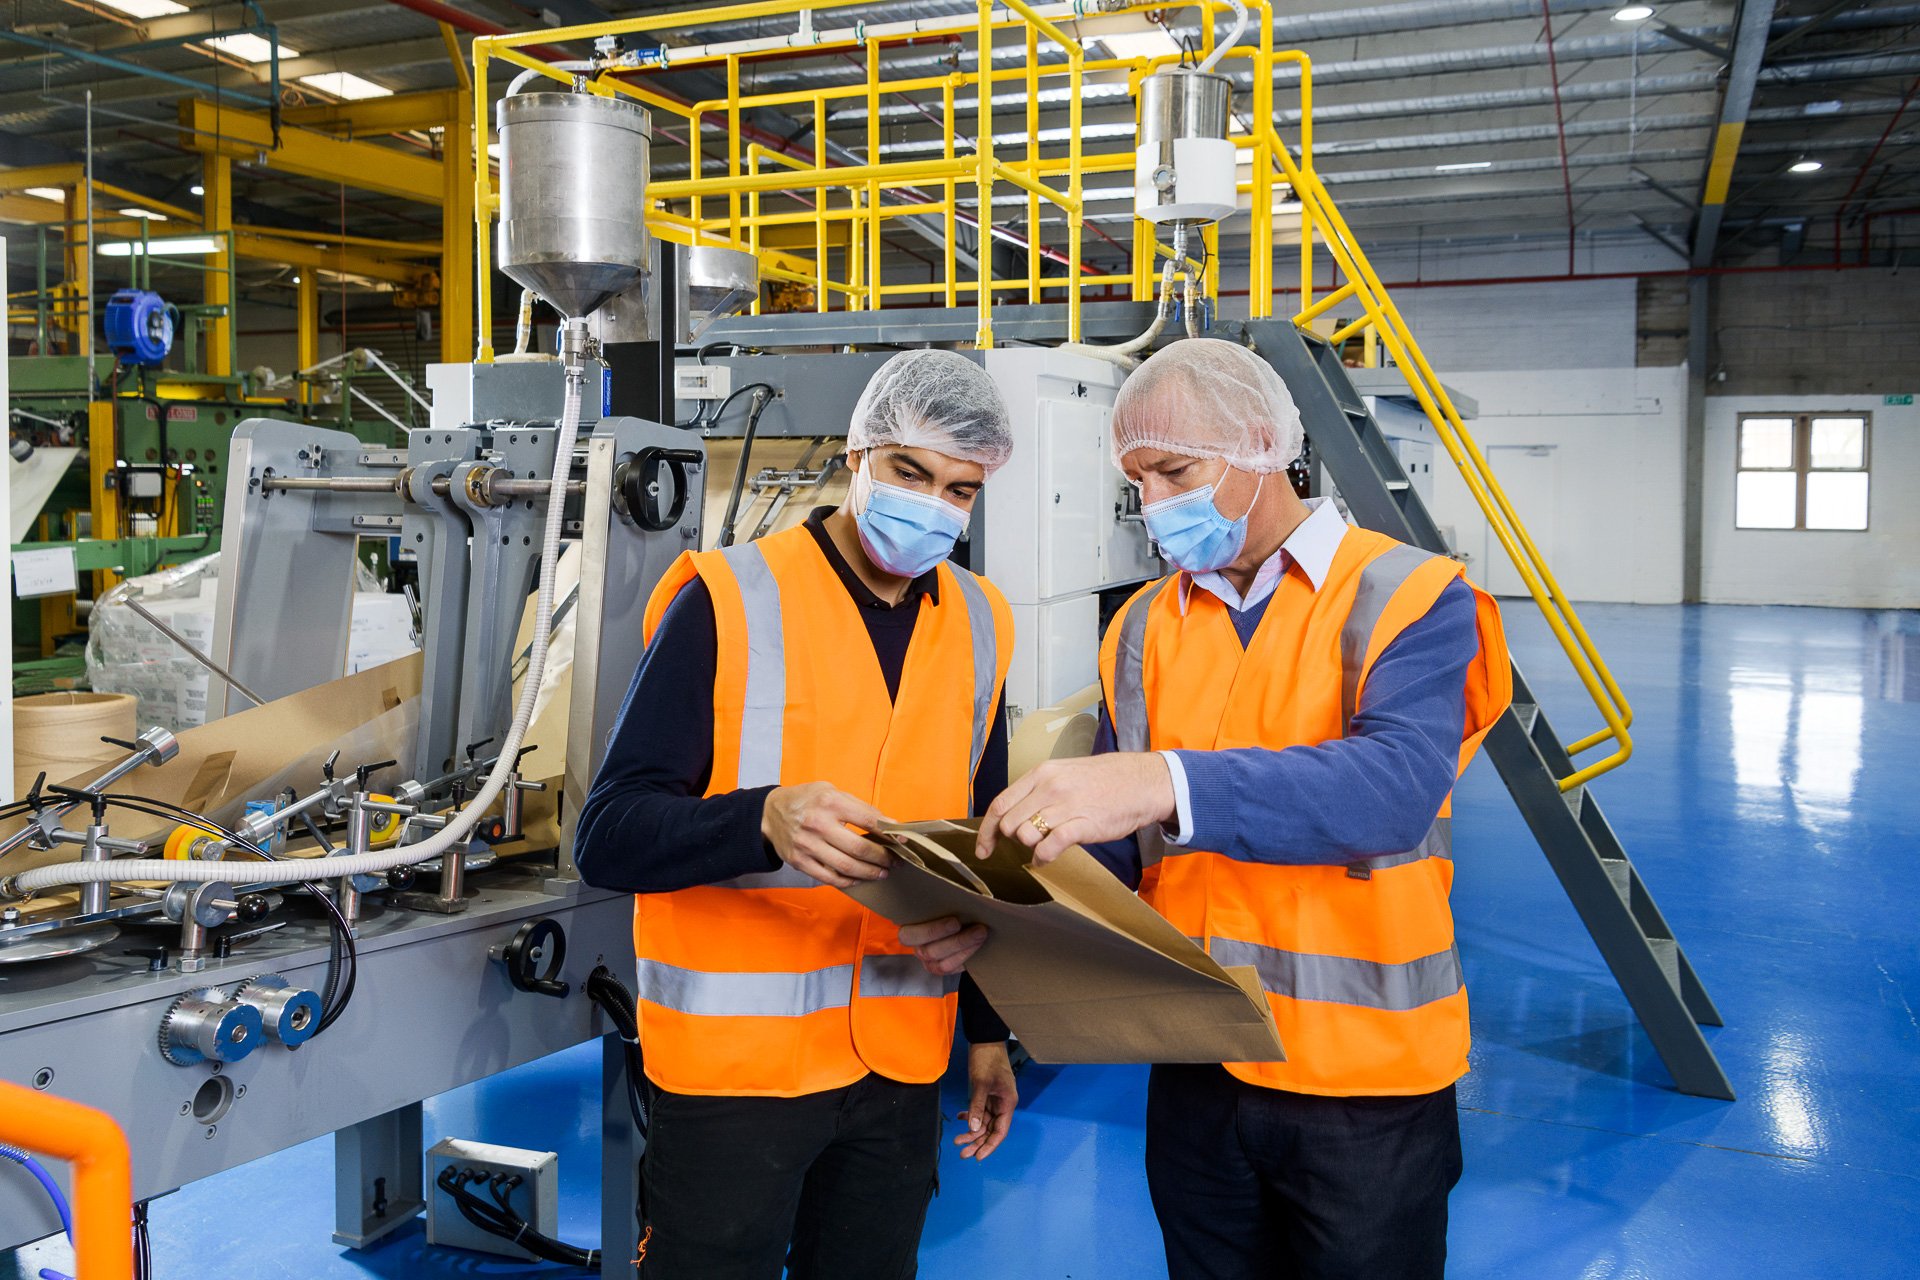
[1284, 721]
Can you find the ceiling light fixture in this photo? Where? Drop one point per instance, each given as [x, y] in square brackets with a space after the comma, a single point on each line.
[1633, 13]
[145, 8]
[188, 244]
[1458, 168]
[47, 193]
[346, 85]
[148, 214]
[1804, 166]
[249, 47]
[197, 189]
[1154, 42]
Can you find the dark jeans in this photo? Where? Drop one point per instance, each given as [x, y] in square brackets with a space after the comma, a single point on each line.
[833, 1184]
[1257, 1184]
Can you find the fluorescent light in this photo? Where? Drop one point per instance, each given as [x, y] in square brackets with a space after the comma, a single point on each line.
[344, 84]
[148, 214]
[1804, 166]
[47, 193]
[197, 189]
[1633, 13]
[145, 8]
[1457, 168]
[249, 47]
[296, 279]
[186, 244]
[1152, 43]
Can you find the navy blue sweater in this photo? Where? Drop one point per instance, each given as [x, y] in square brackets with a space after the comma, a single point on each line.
[648, 825]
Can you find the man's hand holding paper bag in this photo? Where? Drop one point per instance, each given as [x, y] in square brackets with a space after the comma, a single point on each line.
[1079, 968]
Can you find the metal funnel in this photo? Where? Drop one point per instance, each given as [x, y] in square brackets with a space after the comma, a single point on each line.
[573, 196]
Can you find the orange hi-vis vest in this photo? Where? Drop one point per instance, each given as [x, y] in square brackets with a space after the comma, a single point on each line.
[1359, 961]
[773, 984]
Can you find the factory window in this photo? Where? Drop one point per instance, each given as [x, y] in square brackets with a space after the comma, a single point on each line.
[1801, 471]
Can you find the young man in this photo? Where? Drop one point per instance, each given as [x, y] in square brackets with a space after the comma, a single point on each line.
[794, 688]
[1284, 721]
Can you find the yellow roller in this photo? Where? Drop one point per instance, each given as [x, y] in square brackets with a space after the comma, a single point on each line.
[386, 826]
[179, 846]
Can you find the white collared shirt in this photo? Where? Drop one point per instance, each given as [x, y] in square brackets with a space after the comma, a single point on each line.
[1312, 545]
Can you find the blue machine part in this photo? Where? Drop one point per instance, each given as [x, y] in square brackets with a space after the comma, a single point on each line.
[139, 326]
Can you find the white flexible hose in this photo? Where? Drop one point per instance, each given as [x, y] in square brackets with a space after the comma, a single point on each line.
[458, 827]
[1191, 310]
[523, 330]
[1233, 36]
[1122, 353]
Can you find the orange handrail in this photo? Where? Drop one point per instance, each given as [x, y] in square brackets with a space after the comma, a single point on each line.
[92, 1143]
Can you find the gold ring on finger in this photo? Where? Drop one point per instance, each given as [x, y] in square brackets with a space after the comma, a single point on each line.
[1039, 823]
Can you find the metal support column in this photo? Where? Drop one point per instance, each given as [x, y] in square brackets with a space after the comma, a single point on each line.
[620, 1149]
[307, 325]
[376, 1176]
[1694, 467]
[216, 178]
[456, 233]
[1593, 867]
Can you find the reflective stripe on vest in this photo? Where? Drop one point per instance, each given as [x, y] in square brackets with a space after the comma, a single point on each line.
[1130, 705]
[786, 995]
[1296, 975]
[764, 721]
[980, 622]
[1437, 843]
[763, 718]
[1382, 576]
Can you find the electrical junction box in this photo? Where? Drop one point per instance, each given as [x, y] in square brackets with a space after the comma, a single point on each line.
[536, 1199]
[702, 381]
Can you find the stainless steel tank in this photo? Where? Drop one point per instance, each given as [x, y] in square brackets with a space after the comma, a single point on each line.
[1184, 164]
[1178, 103]
[573, 196]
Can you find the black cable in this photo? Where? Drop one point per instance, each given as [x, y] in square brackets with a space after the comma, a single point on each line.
[508, 1225]
[740, 470]
[142, 1243]
[702, 419]
[612, 996]
[342, 941]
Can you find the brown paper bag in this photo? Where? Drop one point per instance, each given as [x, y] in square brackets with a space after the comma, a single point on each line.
[1079, 967]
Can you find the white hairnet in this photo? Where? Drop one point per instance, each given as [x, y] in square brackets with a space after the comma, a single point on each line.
[1208, 398]
[937, 400]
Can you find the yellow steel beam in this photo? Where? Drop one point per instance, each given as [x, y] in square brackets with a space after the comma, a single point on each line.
[342, 261]
[452, 41]
[428, 109]
[307, 324]
[366, 165]
[42, 175]
[216, 179]
[456, 232]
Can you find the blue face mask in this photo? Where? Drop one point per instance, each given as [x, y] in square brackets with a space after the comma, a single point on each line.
[1192, 533]
[905, 533]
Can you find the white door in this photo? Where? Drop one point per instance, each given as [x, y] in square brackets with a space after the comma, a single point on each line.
[1527, 475]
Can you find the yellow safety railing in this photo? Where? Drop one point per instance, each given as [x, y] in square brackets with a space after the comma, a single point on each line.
[848, 207]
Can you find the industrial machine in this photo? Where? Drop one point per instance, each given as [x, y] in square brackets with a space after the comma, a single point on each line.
[161, 961]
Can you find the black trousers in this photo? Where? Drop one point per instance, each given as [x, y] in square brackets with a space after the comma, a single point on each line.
[1257, 1184]
[833, 1185]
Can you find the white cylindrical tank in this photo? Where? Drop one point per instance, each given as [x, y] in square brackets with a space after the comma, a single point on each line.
[1183, 171]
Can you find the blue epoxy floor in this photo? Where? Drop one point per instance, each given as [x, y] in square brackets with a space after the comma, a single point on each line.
[1772, 808]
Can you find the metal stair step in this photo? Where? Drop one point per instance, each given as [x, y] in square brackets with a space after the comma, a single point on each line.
[1620, 871]
[1667, 952]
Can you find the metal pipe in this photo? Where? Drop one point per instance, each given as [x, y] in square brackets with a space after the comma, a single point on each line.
[199, 657]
